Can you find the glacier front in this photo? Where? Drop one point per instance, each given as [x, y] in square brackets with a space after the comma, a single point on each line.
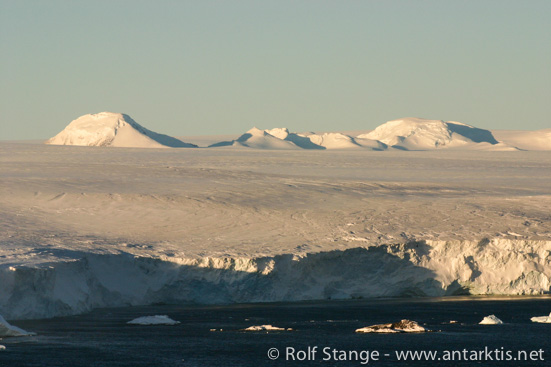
[426, 268]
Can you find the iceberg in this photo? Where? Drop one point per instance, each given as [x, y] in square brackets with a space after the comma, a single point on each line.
[404, 326]
[266, 328]
[491, 320]
[153, 320]
[542, 319]
[9, 330]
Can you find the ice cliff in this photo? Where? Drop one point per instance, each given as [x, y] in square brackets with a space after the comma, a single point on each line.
[423, 268]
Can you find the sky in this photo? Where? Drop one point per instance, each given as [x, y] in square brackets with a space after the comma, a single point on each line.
[221, 67]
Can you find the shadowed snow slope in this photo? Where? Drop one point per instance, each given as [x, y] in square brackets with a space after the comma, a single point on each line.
[420, 134]
[115, 130]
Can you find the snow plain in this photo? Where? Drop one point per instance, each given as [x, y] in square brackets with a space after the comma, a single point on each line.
[86, 227]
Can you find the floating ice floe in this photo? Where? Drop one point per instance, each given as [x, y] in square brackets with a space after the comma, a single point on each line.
[404, 326]
[491, 320]
[2, 347]
[266, 328]
[542, 319]
[153, 320]
[9, 330]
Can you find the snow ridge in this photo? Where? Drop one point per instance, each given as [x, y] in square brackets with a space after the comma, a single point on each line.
[281, 138]
[405, 134]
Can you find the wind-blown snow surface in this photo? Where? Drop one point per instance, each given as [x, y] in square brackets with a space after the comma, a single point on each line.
[84, 228]
[115, 130]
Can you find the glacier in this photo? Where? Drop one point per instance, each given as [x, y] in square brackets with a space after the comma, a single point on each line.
[420, 268]
[84, 228]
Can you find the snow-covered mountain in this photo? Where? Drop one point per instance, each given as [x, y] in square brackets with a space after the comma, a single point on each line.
[115, 130]
[421, 134]
[405, 134]
[411, 133]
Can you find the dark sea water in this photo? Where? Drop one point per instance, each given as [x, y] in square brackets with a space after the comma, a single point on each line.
[102, 338]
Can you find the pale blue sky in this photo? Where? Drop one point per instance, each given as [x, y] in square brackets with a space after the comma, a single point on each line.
[219, 67]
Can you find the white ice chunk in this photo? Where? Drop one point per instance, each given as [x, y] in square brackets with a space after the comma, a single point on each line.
[542, 319]
[491, 320]
[404, 326]
[153, 320]
[265, 328]
[9, 330]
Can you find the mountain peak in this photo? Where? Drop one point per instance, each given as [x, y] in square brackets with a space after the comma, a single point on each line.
[112, 129]
[417, 134]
